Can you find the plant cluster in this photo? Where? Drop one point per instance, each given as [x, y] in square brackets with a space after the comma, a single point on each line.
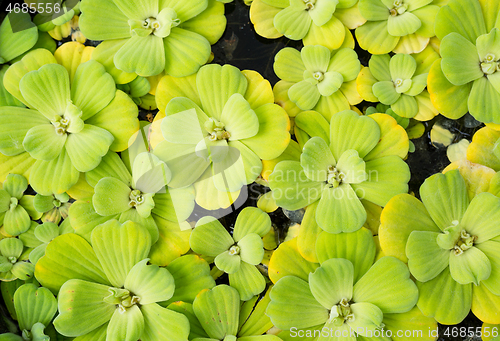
[109, 223]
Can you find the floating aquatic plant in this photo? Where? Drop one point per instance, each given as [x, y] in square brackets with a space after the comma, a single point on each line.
[322, 22]
[400, 26]
[16, 37]
[17, 209]
[320, 79]
[466, 78]
[352, 164]
[333, 300]
[113, 293]
[395, 81]
[53, 207]
[450, 244]
[155, 36]
[216, 135]
[70, 126]
[13, 261]
[236, 255]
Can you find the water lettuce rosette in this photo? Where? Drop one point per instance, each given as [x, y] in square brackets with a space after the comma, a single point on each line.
[72, 122]
[318, 79]
[355, 159]
[399, 81]
[110, 292]
[238, 254]
[466, 79]
[152, 36]
[219, 126]
[451, 244]
[316, 22]
[400, 26]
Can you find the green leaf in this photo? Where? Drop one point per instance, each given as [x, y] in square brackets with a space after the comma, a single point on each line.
[490, 249]
[210, 238]
[47, 90]
[368, 318]
[149, 223]
[239, 119]
[111, 166]
[165, 322]
[251, 249]
[251, 220]
[444, 299]
[119, 247]
[15, 185]
[426, 259]
[16, 221]
[472, 266]
[142, 55]
[229, 263]
[339, 210]
[103, 22]
[357, 247]
[185, 126]
[150, 282]
[66, 257]
[34, 305]
[293, 22]
[386, 92]
[373, 10]
[463, 17]
[16, 43]
[291, 187]
[316, 159]
[402, 66]
[126, 326]
[175, 205]
[191, 274]
[322, 12]
[316, 58]
[273, 123]
[481, 217]
[210, 23]
[111, 197]
[82, 301]
[445, 198]
[374, 37]
[404, 24]
[185, 52]
[380, 67]
[402, 215]
[348, 130]
[314, 124]
[216, 84]
[304, 94]
[104, 54]
[331, 83]
[92, 88]
[293, 305]
[405, 106]
[150, 174]
[484, 101]
[218, 311]
[442, 90]
[15, 123]
[388, 286]
[387, 177]
[488, 44]
[332, 282]
[288, 65]
[286, 260]
[353, 167]
[84, 218]
[138, 9]
[464, 69]
[345, 61]
[43, 142]
[248, 281]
